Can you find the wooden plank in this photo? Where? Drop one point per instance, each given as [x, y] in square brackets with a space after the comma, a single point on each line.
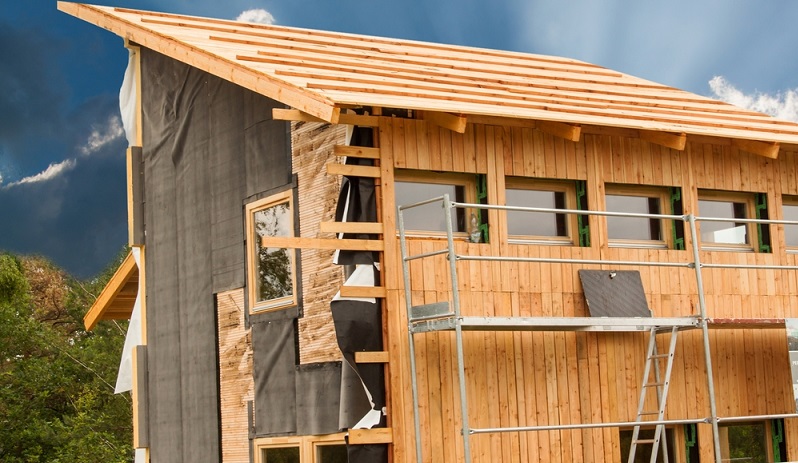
[449, 121]
[356, 152]
[676, 141]
[368, 228]
[126, 271]
[363, 291]
[370, 436]
[293, 242]
[372, 357]
[353, 170]
[571, 132]
[295, 115]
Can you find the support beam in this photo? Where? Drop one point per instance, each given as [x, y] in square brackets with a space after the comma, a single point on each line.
[676, 141]
[447, 121]
[109, 304]
[762, 148]
[560, 129]
[295, 242]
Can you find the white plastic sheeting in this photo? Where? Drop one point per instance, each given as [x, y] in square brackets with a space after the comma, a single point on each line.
[127, 100]
[124, 380]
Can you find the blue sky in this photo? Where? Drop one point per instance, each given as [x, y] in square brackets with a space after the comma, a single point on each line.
[62, 174]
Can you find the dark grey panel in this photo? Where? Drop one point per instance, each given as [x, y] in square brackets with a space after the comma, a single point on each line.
[614, 293]
[142, 439]
[274, 367]
[317, 400]
[267, 145]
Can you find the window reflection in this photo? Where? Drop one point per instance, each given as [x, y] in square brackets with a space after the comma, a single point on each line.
[723, 232]
[429, 217]
[634, 228]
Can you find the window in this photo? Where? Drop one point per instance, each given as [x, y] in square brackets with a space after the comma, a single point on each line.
[744, 442]
[790, 212]
[301, 449]
[271, 270]
[726, 235]
[413, 187]
[637, 231]
[541, 227]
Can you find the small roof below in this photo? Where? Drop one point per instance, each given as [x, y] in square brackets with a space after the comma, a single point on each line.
[321, 72]
[116, 300]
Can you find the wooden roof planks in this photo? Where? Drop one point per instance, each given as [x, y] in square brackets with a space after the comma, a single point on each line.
[319, 73]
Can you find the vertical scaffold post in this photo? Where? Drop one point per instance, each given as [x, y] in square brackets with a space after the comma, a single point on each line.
[713, 411]
[458, 328]
[411, 343]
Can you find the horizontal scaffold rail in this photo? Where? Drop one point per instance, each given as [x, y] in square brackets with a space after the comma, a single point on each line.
[608, 324]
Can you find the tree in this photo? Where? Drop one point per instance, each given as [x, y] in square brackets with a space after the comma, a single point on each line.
[56, 379]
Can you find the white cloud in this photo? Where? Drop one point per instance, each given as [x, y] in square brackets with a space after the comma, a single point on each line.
[52, 171]
[103, 135]
[783, 105]
[256, 15]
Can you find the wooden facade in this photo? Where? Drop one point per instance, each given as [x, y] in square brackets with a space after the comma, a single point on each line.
[498, 119]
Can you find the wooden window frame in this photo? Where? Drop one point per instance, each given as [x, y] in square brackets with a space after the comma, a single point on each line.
[568, 188]
[768, 435]
[791, 201]
[641, 191]
[257, 306]
[467, 181]
[308, 445]
[750, 229]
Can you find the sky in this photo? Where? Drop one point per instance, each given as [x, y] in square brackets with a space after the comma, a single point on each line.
[62, 147]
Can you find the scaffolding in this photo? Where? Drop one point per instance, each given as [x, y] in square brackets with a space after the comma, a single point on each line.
[446, 316]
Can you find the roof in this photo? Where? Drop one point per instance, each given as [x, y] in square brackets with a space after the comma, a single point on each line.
[321, 72]
[116, 300]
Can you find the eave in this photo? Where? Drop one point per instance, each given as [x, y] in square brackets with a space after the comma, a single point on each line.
[116, 300]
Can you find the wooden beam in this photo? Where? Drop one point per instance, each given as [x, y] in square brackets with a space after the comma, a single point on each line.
[364, 291]
[295, 115]
[762, 148]
[356, 152]
[106, 298]
[371, 357]
[369, 228]
[676, 141]
[560, 129]
[295, 242]
[371, 436]
[353, 171]
[446, 120]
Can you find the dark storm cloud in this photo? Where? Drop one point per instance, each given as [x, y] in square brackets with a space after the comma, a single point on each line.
[32, 100]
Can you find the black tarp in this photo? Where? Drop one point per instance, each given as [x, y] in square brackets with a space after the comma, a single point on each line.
[209, 145]
[274, 360]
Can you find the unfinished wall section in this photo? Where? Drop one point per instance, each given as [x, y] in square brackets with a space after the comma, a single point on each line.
[236, 387]
[312, 148]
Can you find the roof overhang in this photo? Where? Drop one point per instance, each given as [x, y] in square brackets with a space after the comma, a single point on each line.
[116, 300]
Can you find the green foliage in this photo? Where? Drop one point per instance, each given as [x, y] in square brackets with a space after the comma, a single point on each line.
[56, 379]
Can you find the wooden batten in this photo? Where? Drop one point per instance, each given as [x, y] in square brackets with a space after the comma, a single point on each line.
[356, 152]
[290, 242]
[353, 170]
[370, 436]
[363, 291]
[570, 132]
[372, 357]
[676, 141]
[369, 228]
[452, 122]
[762, 148]
[295, 115]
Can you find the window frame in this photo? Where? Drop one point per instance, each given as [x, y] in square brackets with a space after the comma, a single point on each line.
[253, 239]
[467, 181]
[767, 435]
[568, 188]
[790, 201]
[745, 198]
[308, 445]
[641, 191]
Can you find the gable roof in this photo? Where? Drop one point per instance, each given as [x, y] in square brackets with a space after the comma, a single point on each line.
[322, 72]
